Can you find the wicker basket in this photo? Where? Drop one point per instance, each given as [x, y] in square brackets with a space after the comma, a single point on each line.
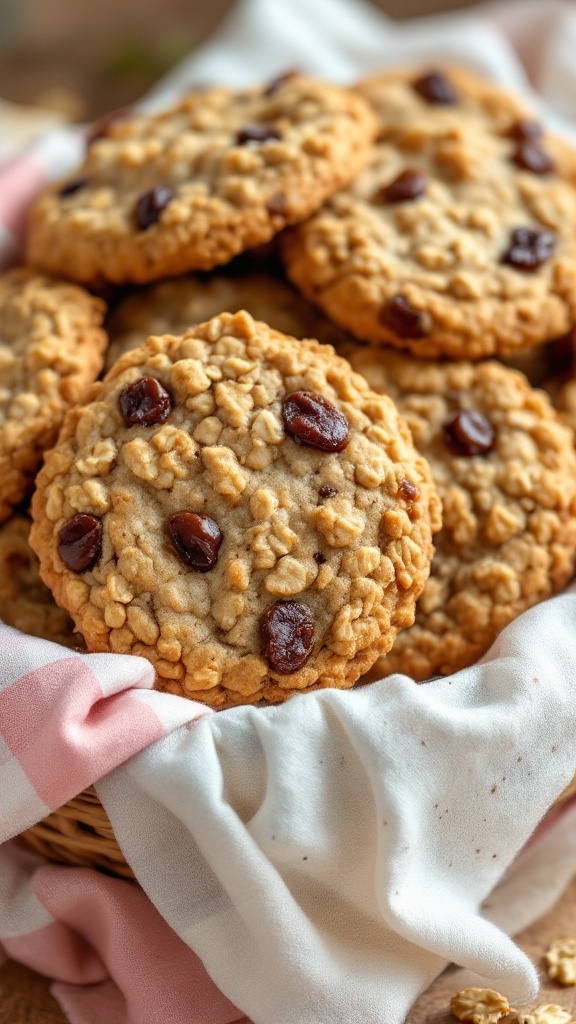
[80, 834]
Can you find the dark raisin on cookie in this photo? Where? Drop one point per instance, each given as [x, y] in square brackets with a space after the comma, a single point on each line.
[80, 542]
[72, 187]
[277, 205]
[436, 89]
[405, 188]
[403, 319]
[469, 433]
[531, 156]
[145, 402]
[313, 421]
[100, 128]
[151, 204]
[524, 129]
[287, 635]
[196, 538]
[529, 249]
[255, 134]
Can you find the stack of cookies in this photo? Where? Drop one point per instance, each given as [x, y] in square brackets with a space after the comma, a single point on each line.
[271, 490]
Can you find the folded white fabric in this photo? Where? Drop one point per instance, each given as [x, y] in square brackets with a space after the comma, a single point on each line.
[326, 858]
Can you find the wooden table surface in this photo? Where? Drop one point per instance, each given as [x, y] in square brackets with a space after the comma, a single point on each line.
[25, 999]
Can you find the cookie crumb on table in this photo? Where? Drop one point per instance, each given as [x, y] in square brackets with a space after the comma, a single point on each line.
[547, 1013]
[479, 1005]
[561, 960]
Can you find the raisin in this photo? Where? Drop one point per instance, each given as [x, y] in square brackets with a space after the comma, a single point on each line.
[315, 422]
[72, 187]
[403, 319]
[197, 539]
[529, 249]
[256, 133]
[436, 89]
[277, 205]
[151, 204]
[145, 402]
[80, 542]
[409, 185]
[469, 433]
[530, 156]
[287, 634]
[99, 129]
[525, 129]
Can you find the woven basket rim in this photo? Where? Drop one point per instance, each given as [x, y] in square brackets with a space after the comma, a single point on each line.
[79, 833]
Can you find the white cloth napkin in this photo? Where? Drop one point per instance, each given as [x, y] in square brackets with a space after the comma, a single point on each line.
[327, 858]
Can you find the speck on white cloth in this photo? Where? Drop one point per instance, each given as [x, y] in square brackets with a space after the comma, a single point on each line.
[327, 858]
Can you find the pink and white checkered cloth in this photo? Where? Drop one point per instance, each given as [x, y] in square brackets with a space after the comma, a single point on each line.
[66, 720]
[323, 860]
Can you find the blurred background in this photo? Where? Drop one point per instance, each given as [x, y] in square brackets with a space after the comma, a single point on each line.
[75, 59]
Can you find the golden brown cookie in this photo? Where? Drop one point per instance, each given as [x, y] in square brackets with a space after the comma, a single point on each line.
[565, 402]
[51, 349]
[459, 238]
[239, 508]
[25, 603]
[560, 381]
[188, 189]
[170, 307]
[505, 470]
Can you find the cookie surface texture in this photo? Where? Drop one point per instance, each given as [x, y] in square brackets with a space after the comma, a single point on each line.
[190, 188]
[458, 239]
[505, 471]
[239, 508]
[51, 349]
[25, 602]
[171, 307]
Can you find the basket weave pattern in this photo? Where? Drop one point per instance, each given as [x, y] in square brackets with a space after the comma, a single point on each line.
[79, 834]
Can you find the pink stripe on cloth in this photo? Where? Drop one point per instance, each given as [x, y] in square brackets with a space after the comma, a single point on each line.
[57, 951]
[65, 734]
[107, 935]
[20, 180]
